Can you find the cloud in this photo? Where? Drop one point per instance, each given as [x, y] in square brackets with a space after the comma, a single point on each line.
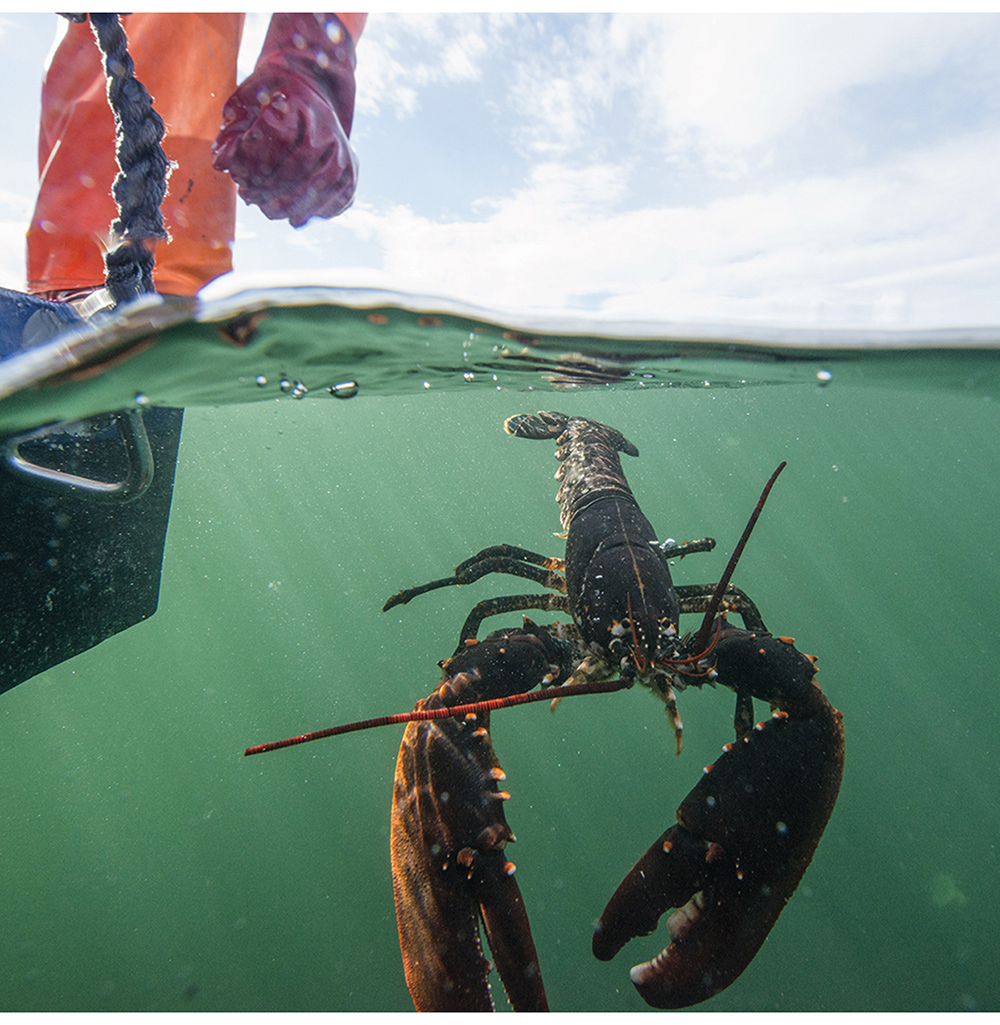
[15, 213]
[405, 53]
[740, 80]
[720, 88]
[888, 244]
[12, 255]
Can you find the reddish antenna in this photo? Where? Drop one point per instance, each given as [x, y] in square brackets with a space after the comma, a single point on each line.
[713, 605]
[567, 691]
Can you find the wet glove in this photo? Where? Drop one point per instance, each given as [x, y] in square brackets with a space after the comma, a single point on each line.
[285, 129]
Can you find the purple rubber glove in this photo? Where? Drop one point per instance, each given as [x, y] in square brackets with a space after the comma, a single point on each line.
[285, 129]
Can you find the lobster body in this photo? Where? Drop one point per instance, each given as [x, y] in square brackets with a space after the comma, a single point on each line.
[448, 835]
[608, 557]
[618, 586]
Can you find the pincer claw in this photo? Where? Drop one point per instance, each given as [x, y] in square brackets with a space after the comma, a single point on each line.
[745, 835]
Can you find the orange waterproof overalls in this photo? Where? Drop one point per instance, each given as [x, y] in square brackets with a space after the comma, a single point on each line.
[188, 64]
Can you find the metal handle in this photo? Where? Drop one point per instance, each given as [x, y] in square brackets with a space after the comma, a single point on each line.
[138, 453]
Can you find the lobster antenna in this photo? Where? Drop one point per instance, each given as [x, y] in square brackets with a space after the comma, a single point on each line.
[568, 691]
[713, 605]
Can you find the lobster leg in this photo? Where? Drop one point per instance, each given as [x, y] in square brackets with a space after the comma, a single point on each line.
[519, 562]
[509, 603]
[744, 835]
[696, 597]
[448, 836]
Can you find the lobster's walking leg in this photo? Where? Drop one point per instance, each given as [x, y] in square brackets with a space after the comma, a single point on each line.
[744, 835]
[508, 603]
[449, 833]
[518, 562]
[696, 598]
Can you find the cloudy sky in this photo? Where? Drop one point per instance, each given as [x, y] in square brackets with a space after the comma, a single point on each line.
[798, 169]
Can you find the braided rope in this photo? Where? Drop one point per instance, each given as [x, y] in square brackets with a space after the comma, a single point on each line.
[141, 183]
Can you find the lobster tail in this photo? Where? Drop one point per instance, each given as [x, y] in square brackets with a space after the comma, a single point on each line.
[540, 425]
[588, 451]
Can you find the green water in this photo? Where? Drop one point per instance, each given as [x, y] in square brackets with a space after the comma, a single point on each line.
[146, 865]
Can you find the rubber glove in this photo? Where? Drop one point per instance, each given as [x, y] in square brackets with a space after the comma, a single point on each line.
[284, 132]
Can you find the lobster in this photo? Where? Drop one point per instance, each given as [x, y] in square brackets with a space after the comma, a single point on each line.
[744, 835]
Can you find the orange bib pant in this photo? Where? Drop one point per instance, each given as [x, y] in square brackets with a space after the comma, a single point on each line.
[188, 64]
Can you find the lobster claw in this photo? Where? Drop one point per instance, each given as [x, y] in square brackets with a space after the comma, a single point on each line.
[744, 836]
[448, 836]
[442, 888]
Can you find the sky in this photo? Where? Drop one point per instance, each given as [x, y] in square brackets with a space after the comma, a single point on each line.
[801, 170]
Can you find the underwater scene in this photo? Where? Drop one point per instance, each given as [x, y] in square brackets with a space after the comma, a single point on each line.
[362, 287]
[147, 865]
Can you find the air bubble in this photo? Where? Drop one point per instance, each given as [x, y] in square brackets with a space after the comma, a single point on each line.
[344, 390]
[823, 378]
[260, 380]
